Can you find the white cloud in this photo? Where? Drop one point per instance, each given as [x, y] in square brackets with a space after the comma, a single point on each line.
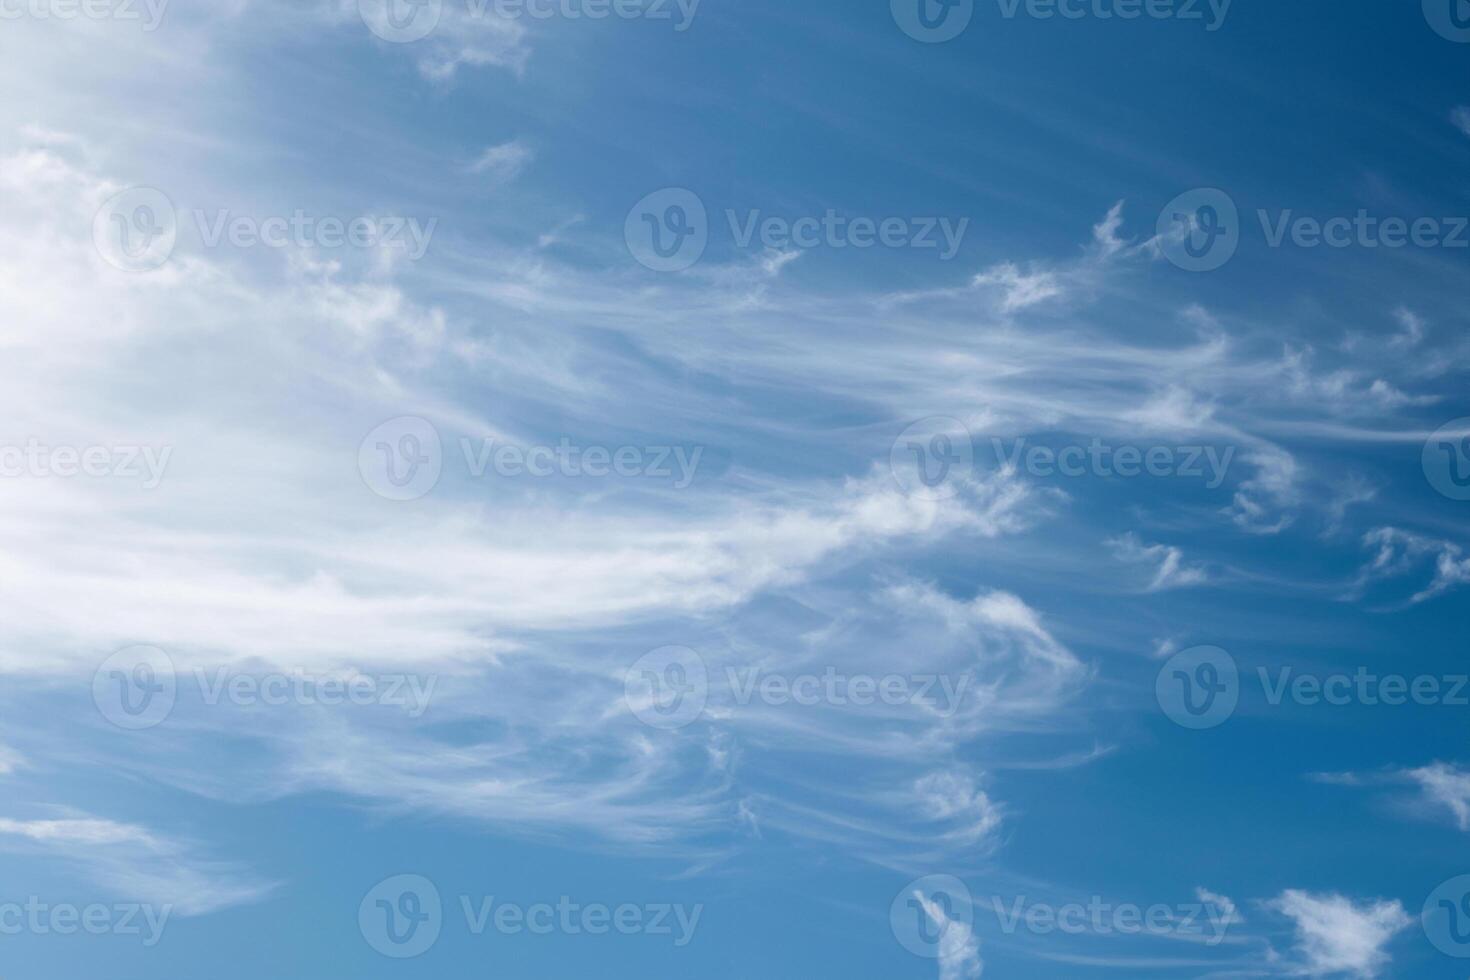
[1172, 572]
[1461, 118]
[1399, 552]
[1019, 290]
[505, 162]
[1446, 786]
[138, 865]
[959, 950]
[1228, 914]
[1335, 935]
[951, 796]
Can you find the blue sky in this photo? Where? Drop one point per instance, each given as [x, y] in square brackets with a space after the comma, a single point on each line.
[734, 489]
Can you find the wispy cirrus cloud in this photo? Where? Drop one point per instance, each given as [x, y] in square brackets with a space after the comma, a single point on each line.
[503, 162]
[137, 864]
[1171, 571]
